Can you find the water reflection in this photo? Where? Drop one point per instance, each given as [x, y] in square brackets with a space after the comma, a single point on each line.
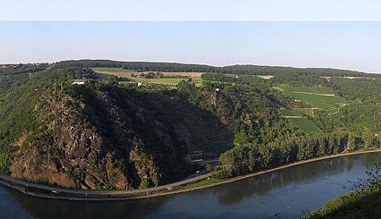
[263, 184]
[287, 192]
[47, 209]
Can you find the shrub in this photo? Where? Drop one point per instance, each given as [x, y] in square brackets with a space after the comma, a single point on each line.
[145, 183]
[42, 180]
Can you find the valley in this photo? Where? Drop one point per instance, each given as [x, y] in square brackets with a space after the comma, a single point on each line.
[98, 125]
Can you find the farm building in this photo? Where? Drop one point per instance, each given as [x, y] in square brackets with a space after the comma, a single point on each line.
[78, 82]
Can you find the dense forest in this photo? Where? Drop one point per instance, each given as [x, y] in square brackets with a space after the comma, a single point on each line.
[235, 69]
[138, 66]
[10, 74]
[111, 133]
[350, 128]
[270, 70]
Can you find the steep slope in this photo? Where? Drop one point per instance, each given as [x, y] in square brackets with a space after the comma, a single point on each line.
[100, 135]
[110, 134]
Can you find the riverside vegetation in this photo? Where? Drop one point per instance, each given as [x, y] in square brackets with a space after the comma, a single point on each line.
[362, 202]
[112, 134]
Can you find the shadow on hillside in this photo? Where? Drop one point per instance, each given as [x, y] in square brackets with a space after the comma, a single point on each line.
[163, 121]
[163, 128]
[168, 112]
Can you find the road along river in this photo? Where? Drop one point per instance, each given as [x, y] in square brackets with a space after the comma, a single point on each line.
[285, 193]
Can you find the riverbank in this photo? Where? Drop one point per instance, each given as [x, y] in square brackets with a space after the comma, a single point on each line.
[51, 192]
[46, 191]
[362, 204]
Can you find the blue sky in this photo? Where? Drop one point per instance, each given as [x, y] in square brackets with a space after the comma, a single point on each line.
[190, 10]
[345, 45]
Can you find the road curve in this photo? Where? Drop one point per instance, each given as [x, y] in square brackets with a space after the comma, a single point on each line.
[38, 190]
[45, 191]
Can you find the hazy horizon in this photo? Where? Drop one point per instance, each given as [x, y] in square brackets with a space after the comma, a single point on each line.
[16, 63]
[339, 45]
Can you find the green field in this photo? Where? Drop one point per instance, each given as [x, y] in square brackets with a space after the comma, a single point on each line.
[313, 96]
[290, 112]
[316, 90]
[105, 69]
[170, 81]
[166, 81]
[304, 124]
[309, 112]
[266, 77]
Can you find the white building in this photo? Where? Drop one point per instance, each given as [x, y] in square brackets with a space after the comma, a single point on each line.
[78, 82]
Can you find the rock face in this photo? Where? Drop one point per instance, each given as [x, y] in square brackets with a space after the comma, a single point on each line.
[104, 140]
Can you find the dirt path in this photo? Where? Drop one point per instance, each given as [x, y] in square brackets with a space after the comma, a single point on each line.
[293, 117]
[325, 95]
[308, 108]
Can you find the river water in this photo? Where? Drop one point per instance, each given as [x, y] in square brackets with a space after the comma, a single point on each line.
[287, 193]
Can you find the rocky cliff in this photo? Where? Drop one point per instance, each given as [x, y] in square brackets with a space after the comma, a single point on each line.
[97, 136]
[96, 144]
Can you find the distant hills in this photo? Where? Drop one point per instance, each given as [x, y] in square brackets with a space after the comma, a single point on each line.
[234, 69]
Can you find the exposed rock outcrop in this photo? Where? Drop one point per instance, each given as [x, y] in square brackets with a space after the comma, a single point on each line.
[96, 144]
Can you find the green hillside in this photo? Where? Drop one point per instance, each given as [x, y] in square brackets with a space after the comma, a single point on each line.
[113, 133]
[363, 201]
[110, 69]
[323, 98]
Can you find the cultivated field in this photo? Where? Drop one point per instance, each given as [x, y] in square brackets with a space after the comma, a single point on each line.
[266, 77]
[127, 73]
[171, 81]
[323, 98]
[319, 98]
[299, 120]
[166, 81]
[314, 90]
[304, 124]
[290, 112]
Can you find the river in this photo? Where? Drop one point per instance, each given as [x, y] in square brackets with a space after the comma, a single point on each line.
[286, 193]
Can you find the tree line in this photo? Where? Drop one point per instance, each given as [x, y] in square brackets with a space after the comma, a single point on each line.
[251, 157]
[234, 69]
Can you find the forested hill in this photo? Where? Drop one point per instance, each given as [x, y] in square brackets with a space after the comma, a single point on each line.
[111, 134]
[10, 74]
[275, 70]
[235, 69]
[66, 125]
[138, 66]
[101, 135]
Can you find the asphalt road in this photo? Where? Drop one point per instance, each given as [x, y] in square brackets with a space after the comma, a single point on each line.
[45, 191]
